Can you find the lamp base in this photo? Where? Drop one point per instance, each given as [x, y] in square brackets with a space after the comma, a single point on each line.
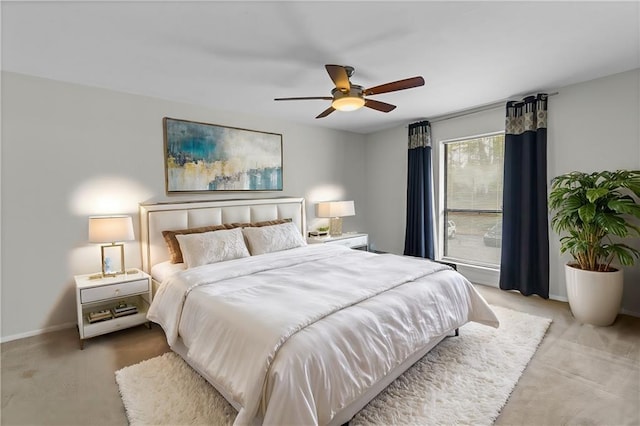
[335, 226]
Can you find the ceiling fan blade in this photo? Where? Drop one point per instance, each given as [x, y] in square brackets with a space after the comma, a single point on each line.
[407, 83]
[339, 76]
[326, 112]
[380, 106]
[324, 98]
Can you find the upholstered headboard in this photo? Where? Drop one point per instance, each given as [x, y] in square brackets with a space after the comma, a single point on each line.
[155, 218]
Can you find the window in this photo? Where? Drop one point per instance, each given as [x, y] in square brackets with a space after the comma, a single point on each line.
[472, 174]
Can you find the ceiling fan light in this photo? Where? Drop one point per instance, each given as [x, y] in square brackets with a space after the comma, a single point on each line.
[348, 103]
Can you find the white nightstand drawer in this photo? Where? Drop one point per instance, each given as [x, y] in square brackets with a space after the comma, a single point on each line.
[95, 294]
[352, 242]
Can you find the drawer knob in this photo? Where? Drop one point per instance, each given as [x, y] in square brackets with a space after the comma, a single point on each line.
[117, 291]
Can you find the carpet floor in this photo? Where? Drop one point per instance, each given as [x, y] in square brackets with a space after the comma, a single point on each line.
[464, 380]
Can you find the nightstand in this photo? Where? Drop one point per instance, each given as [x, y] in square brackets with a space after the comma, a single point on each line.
[107, 304]
[353, 240]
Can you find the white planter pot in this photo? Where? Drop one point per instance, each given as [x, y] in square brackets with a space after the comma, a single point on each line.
[594, 297]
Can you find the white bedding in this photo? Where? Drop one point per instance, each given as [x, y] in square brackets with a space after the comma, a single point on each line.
[293, 337]
[161, 271]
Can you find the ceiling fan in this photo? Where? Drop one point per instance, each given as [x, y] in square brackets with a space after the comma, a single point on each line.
[349, 97]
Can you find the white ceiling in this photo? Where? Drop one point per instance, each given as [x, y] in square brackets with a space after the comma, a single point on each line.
[238, 56]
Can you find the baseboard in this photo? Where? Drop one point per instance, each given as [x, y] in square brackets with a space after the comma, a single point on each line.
[558, 298]
[32, 333]
[564, 299]
[630, 313]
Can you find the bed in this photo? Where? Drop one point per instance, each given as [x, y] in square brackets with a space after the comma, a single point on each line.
[291, 333]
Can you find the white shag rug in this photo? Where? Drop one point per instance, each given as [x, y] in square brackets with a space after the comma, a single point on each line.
[463, 380]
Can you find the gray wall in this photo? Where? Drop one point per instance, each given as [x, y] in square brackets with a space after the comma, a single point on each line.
[592, 126]
[70, 151]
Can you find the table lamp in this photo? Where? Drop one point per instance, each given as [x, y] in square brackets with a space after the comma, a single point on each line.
[111, 229]
[335, 210]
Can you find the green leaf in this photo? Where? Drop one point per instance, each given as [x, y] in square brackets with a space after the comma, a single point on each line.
[635, 228]
[587, 212]
[625, 205]
[594, 194]
[572, 203]
[612, 224]
[624, 253]
[557, 196]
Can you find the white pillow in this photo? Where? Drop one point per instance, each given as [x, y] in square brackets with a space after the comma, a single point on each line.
[267, 239]
[160, 271]
[212, 247]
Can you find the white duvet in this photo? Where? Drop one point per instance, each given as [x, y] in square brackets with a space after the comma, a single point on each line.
[293, 337]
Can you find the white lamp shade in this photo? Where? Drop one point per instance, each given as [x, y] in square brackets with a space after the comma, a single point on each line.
[110, 229]
[335, 209]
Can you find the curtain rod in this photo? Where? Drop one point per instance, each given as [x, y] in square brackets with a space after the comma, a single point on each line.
[486, 107]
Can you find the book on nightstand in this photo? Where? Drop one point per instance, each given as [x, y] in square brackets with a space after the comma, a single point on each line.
[316, 234]
[99, 316]
[124, 309]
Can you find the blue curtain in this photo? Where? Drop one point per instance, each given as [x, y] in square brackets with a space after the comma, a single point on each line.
[419, 237]
[524, 262]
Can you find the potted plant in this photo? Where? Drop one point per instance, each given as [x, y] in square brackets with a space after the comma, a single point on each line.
[595, 212]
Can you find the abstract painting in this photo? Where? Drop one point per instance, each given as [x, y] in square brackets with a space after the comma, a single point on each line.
[201, 157]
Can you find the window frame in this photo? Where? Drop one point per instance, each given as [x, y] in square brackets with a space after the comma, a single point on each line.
[443, 201]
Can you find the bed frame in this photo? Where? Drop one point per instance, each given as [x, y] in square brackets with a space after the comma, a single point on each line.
[155, 218]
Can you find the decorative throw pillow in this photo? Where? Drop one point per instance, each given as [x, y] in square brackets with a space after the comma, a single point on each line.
[175, 255]
[267, 239]
[212, 247]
